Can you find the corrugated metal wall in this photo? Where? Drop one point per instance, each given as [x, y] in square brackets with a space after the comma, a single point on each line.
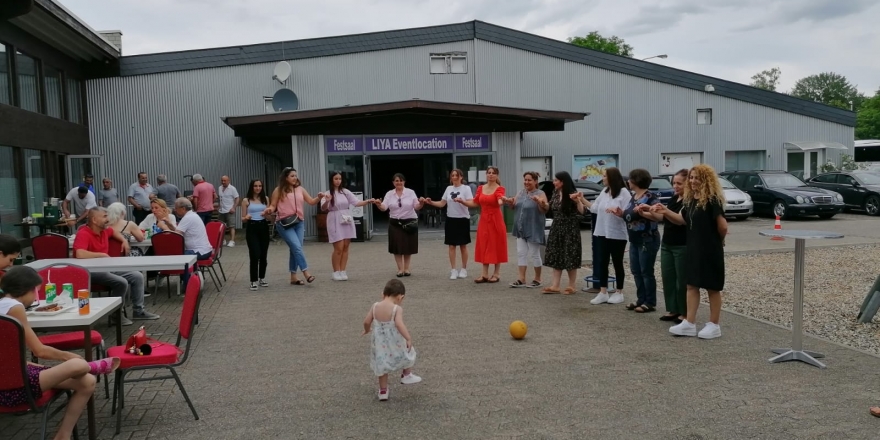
[633, 117]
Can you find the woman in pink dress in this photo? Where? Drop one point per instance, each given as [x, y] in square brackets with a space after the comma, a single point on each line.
[491, 231]
[340, 223]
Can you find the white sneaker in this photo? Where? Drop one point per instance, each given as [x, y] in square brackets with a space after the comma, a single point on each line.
[224, 242]
[615, 298]
[600, 298]
[685, 329]
[336, 276]
[254, 286]
[264, 283]
[462, 273]
[383, 395]
[410, 379]
[453, 275]
[343, 276]
[710, 331]
[231, 244]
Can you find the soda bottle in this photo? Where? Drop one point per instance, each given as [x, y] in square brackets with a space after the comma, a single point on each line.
[83, 295]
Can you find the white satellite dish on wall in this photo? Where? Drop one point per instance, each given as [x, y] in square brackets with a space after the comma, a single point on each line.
[282, 71]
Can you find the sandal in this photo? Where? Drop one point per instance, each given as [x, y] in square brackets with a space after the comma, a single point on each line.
[399, 274]
[310, 279]
[518, 283]
[298, 282]
[493, 279]
[632, 306]
[534, 283]
[480, 280]
[568, 291]
[406, 274]
[644, 308]
[549, 291]
[875, 411]
[668, 317]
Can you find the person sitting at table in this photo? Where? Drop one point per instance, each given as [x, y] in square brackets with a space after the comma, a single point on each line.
[10, 249]
[93, 241]
[129, 229]
[78, 203]
[19, 290]
[195, 236]
[160, 216]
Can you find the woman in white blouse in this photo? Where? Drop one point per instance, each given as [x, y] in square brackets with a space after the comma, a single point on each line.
[610, 231]
[160, 216]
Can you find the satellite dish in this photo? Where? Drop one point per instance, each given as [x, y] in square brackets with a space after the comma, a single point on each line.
[285, 100]
[282, 72]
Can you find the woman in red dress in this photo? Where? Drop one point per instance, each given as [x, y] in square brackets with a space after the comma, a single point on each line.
[491, 231]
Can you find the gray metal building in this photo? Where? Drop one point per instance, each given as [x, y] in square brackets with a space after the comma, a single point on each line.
[536, 104]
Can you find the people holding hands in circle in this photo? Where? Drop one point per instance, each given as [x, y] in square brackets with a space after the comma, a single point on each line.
[530, 207]
[458, 223]
[491, 232]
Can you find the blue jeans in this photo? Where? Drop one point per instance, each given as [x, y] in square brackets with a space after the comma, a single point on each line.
[188, 273]
[293, 236]
[641, 262]
[595, 244]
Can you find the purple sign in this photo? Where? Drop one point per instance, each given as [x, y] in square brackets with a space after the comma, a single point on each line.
[394, 144]
[344, 145]
[473, 142]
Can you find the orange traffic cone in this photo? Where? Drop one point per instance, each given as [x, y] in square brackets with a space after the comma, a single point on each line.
[777, 227]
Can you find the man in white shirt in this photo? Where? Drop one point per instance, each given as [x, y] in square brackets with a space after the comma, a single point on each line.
[195, 236]
[78, 202]
[228, 201]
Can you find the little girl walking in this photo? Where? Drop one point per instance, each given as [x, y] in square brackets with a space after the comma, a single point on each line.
[391, 344]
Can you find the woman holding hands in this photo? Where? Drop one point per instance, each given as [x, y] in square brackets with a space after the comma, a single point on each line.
[458, 221]
[340, 223]
[256, 232]
[530, 208]
[491, 232]
[610, 229]
[287, 203]
[403, 224]
[564, 241]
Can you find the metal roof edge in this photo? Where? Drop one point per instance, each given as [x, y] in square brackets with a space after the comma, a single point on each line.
[64, 16]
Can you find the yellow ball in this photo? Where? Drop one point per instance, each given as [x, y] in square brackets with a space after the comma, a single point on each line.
[518, 329]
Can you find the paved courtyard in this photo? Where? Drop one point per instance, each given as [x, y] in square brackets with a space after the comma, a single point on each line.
[289, 362]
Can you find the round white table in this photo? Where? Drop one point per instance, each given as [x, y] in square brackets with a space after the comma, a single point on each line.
[797, 352]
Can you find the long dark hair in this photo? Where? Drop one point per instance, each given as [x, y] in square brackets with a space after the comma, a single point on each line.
[283, 185]
[251, 194]
[497, 173]
[615, 181]
[19, 280]
[566, 190]
[333, 174]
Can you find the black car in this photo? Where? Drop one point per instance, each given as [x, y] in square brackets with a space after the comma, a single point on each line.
[780, 193]
[589, 189]
[860, 189]
[661, 187]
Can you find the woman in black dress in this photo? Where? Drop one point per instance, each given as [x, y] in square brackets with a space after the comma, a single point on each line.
[703, 216]
[564, 241]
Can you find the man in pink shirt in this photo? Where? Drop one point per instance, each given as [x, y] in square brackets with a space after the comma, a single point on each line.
[203, 197]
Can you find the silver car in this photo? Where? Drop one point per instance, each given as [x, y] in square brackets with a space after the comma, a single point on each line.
[737, 203]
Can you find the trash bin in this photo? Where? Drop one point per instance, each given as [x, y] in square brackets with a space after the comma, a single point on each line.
[358, 229]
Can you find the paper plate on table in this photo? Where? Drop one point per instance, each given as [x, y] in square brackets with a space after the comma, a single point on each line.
[60, 309]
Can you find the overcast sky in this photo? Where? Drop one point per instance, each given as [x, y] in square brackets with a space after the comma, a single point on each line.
[729, 39]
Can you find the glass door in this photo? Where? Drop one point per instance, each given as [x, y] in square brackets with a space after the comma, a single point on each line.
[368, 194]
[795, 164]
[474, 168]
[78, 166]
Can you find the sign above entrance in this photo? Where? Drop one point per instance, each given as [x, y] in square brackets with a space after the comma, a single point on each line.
[407, 144]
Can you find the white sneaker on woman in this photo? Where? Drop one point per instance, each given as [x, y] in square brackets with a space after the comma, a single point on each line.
[601, 298]
[336, 276]
[453, 275]
[685, 329]
[710, 331]
[462, 273]
[615, 298]
[343, 276]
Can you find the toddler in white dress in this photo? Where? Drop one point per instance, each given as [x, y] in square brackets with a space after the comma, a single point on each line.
[390, 342]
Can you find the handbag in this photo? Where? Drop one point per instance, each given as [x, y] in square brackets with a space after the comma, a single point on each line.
[139, 344]
[346, 219]
[409, 226]
[291, 220]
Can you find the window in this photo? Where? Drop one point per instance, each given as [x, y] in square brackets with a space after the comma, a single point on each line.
[5, 93]
[781, 180]
[744, 160]
[74, 100]
[267, 103]
[753, 181]
[843, 179]
[704, 116]
[28, 88]
[827, 178]
[52, 84]
[455, 62]
[738, 180]
[35, 180]
[10, 208]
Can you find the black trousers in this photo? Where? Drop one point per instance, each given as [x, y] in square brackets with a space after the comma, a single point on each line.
[612, 250]
[257, 237]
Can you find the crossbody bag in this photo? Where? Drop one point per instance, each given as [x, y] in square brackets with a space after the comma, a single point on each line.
[291, 220]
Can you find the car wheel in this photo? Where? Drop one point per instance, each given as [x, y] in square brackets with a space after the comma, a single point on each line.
[780, 208]
[826, 216]
[872, 205]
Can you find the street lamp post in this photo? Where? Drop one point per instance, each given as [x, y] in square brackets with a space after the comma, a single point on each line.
[664, 56]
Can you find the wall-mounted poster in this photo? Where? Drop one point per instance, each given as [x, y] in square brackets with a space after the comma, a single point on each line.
[589, 168]
[670, 163]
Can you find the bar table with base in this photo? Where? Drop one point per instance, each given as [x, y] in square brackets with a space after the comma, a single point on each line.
[797, 352]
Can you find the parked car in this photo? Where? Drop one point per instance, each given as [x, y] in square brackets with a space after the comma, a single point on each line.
[780, 193]
[589, 189]
[860, 189]
[662, 188]
[737, 204]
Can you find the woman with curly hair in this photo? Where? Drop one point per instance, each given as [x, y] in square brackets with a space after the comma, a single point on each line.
[702, 214]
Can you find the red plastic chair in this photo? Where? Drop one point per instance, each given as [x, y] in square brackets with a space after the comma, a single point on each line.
[13, 364]
[164, 355]
[114, 249]
[168, 243]
[218, 228]
[81, 279]
[50, 245]
[215, 231]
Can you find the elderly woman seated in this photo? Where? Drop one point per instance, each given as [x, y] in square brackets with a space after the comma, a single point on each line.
[128, 229]
[161, 216]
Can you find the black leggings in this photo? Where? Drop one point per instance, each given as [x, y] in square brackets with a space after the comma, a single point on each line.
[612, 250]
[257, 236]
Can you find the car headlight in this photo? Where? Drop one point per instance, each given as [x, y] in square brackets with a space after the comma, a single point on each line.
[748, 197]
[839, 197]
[800, 199]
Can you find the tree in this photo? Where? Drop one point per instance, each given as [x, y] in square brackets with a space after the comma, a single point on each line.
[868, 118]
[767, 79]
[829, 88]
[595, 41]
